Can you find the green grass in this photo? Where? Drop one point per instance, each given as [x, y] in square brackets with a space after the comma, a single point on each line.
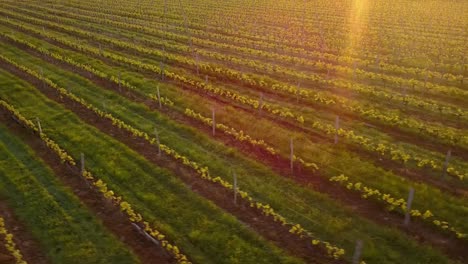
[326, 218]
[315, 114]
[372, 133]
[65, 229]
[204, 232]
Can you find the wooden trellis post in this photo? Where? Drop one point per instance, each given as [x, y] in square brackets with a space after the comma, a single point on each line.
[82, 163]
[159, 96]
[337, 127]
[213, 116]
[446, 163]
[260, 103]
[408, 206]
[291, 155]
[42, 77]
[39, 125]
[357, 252]
[161, 68]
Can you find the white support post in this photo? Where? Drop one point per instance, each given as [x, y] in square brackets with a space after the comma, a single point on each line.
[291, 155]
[408, 206]
[337, 127]
[82, 163]
[260, 103]
[213, 116]
[39, 125]
[161, 68]
[357, 252]
[42, 77]
[159, 96]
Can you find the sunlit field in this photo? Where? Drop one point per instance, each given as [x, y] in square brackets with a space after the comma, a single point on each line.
[237, 131]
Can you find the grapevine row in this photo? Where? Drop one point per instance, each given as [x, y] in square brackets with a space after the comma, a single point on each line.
[10, 243]
[449, 135]
[234, 36]
[202, 172]
[394, 203]
[124, 206]
[382, 147]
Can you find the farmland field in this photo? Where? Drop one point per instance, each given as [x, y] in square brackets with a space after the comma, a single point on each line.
[238, 131]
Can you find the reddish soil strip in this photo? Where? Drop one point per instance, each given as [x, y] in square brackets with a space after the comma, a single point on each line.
[424, 233]
[5, 255]
[396, 132]
[25, 243]
[418, 176]
[261, 224]
[107, 212]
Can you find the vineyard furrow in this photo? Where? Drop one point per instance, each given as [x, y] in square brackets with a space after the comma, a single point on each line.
[200, 131]
[65, 90]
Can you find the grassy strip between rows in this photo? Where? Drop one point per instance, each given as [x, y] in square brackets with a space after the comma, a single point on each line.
[200, 171]
[408, 155]
[66, 230]
[220, 32]
[396, 154]
[411, 125]
[201, 229]
[397, 192]
[236, 59]
[339, 225]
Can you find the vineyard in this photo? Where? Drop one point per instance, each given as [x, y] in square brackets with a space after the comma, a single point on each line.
[238, 131]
